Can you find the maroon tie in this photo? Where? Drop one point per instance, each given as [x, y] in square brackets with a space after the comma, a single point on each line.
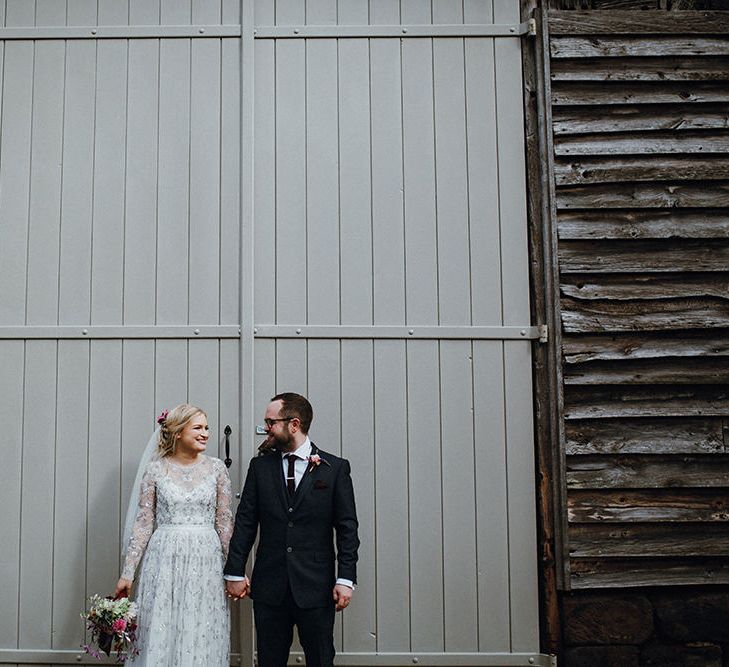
[291, 475]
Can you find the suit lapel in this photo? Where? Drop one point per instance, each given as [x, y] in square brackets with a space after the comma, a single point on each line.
[308, 479]
[277, 478]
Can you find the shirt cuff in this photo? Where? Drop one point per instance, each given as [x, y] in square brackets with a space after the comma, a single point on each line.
[346, 582]
[234, 577]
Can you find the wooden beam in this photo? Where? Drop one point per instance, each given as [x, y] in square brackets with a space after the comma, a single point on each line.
[645, 22]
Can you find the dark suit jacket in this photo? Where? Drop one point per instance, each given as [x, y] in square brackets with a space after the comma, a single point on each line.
[296, 544]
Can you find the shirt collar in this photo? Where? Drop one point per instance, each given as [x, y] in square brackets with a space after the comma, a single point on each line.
[303, 451]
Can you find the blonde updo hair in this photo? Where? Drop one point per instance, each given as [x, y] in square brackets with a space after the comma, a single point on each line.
[172, 424]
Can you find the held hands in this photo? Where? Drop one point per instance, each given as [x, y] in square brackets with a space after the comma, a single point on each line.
[237, 590]
[342, 595]
[123, 588]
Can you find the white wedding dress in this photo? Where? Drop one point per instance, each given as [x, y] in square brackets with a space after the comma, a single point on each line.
[182, 528]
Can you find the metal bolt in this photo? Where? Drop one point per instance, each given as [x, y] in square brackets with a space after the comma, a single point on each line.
[523, 332]
[79, 658]
[84, 331]
[202, 31]
[404, 31]
[255, 331]
[415, 661]
[196, 332]
[299, 660]
[93, 31]
[298, 331]
[512, 29]
[531, 660]
[296, 31]
[255, 32]
[411, 332]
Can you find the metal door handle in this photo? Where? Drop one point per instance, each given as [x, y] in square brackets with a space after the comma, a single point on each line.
[228, 460]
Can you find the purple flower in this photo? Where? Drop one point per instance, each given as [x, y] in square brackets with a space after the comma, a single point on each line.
[162, 417]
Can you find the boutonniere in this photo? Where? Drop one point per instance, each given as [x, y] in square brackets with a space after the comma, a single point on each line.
[315, 460]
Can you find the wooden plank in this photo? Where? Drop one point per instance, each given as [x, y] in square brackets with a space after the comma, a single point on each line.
[589, 170]
[140, 231]
[45, 177]
[641, 69]
[484, 211]
[655, 45]
[203, 266]
[655, 402]
[628, 22]
[643, 256]
[322, 182]
[492, 526]
[649, 224]
[264, 181]
[453, 224]
[622, 573]
[358, 432]
[459, 497]
[107, 265]
[649, 541]
[70, 507]
[170, 387]
[173, 179]
[324, 360]
[425, 460]
[12, 361]
[653, 371]
[388, 228]
[643, 144]
[391, 468]
[645, 436]
[649, 505]
[660, 287]
[578, 349]
[638, 118]
[203, 359]
[15, 135]
[644, 92]
[291, 220]
[646, 471]
[355, 187]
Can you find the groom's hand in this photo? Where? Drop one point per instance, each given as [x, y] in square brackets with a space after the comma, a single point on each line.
[342, 595]
[237, 589]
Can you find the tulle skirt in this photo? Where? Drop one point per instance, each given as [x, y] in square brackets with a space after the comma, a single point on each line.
[183, 612]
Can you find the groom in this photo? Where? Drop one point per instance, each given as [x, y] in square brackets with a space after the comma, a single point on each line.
[299, 497]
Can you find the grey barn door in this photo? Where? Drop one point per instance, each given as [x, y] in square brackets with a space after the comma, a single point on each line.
[119, 234]
[391, 286]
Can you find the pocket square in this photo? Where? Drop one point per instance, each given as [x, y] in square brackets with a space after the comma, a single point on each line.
[320, 484]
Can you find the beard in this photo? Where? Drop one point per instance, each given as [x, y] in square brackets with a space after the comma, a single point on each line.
[283, 441]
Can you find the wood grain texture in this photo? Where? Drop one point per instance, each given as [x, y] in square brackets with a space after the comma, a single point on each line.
[653, 45]
[642, 23]
[621, 573]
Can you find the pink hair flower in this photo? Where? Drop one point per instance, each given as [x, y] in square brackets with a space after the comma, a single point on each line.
[162, 417]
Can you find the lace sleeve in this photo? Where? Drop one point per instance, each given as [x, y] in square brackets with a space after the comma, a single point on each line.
[143, 524]
[223, 514]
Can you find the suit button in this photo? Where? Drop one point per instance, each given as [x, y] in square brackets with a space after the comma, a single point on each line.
[291, 524]
[289, 549]
[291, 509]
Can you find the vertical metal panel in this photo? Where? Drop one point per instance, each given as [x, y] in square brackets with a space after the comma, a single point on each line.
[392, 509]
[12, 361]
[427, 622]
[74, 290]
[37, 491]
[492, 538]
[15, 177]
[388, 234]
[357, 425]
[71, 477]
[140, 225]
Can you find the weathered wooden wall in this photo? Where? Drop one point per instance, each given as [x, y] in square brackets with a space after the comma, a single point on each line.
[639, 121]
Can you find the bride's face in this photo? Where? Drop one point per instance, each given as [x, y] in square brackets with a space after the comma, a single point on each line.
[193, 438]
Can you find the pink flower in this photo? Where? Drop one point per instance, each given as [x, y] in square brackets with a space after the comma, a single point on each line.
[162, 417]
[315, 459]
[119, 625]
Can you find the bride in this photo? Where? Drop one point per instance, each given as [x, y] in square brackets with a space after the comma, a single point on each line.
[181, 523]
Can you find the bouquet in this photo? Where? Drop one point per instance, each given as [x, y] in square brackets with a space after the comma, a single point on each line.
[113, 625]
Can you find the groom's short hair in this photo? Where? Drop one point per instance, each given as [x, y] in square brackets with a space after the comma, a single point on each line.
[296, 405]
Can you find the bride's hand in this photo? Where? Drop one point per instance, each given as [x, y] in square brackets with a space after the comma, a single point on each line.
[123, 588]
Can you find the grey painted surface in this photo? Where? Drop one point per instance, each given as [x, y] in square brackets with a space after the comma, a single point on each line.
[388, 190]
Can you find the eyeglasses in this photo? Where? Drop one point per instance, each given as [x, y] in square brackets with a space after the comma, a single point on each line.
[271, 422]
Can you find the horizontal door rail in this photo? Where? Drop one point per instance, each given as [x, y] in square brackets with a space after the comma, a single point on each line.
[61, 657]
[267, 32]
[414, 332]
[428, 30]
[121, 32]
[120, 332]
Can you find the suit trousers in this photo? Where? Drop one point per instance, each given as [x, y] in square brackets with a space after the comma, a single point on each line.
[275, 631]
